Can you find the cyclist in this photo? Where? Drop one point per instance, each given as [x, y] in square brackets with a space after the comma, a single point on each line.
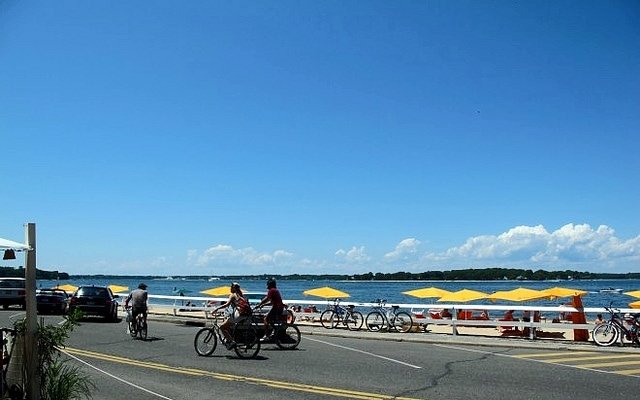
[235, 298]
[274, 298]
[138, 299]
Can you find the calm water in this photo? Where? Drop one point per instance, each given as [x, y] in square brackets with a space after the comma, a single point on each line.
[367, 291]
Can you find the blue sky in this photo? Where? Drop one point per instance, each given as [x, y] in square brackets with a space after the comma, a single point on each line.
[321, 137]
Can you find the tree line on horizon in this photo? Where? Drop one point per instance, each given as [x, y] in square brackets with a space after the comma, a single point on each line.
[480, 274]
[11, 272]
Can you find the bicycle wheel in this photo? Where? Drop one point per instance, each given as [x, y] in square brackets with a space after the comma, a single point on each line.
[142, 329]
[328, 319]
[247, 342]
[375, 321]
[132, 329]
[288, 337]
[402, 322]
[354, 321]
[205, 341]
[605, 334]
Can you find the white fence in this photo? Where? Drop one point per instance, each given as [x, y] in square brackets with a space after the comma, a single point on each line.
[179, 305]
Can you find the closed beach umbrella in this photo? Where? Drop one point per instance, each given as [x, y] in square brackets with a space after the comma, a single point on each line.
[635, 304]
[463, 296]
[67, 288]
[563, 292]
[118, 288]
[426, 293]
[218, 291]
[326, 292]
[519, 294]
[635, 293]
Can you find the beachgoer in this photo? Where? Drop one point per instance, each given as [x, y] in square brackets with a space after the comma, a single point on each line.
[599, 320]
[274, 298]
[233, 316]
[138, 299]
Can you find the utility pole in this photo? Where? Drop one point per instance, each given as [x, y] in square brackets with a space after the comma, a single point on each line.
[32, 379]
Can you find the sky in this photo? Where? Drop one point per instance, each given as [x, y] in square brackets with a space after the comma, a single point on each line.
[259, 137]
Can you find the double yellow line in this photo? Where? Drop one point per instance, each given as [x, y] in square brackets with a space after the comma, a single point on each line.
[300, 387]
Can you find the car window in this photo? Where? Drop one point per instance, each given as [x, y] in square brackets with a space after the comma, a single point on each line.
[92, 291]
[12, 283]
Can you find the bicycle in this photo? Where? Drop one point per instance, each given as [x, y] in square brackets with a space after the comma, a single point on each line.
[380, 318]
[613, 330]
[338, 314]
[286, 335]
[247, 344]
[8, 340]
[138, 327]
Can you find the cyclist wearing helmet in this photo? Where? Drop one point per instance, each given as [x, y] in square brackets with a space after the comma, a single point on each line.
[138, 299]
[233, 301]
[277, 307]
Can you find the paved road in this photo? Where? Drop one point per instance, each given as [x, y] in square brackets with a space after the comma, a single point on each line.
[166, 367]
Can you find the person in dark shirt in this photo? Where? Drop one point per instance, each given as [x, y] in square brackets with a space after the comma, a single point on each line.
[274, 298]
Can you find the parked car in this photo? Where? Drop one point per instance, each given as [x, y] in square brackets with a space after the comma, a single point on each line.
[51, 301]
[95, 300]
[12, 292]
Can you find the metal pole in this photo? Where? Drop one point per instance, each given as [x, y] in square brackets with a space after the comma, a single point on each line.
[32, 381]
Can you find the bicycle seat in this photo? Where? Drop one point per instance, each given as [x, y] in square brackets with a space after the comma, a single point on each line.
[395, 307]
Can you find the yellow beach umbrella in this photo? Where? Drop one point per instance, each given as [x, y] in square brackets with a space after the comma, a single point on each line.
[463, 295]
[67, 288]
[426, 293]
[326, 292]
[118, 288]
[218, 291]
[563, 292]
[519, 294]
[635, 304]
[635, 293]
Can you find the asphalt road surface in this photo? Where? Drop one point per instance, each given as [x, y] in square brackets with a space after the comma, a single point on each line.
[166, 367]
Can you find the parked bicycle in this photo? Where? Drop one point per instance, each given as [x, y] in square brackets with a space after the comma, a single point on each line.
[245, 336]
[387, 319]
[137, 327]
[615, 329]
[8, 340]
[338, 314]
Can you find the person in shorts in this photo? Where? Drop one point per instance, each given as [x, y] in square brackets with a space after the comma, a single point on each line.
[233, 316]
[138, 299]
[274, 298]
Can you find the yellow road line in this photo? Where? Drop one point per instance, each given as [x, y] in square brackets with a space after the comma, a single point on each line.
[228, 377]
[605, 357]
[610, 364]
[628, 372]
[542, 355]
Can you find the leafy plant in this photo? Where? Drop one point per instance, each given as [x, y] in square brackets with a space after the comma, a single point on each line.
[59, 379]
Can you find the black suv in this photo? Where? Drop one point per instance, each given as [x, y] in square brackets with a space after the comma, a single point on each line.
[95, 300]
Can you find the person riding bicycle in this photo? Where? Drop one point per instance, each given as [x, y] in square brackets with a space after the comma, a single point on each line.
[138, 299]
[274, 298]
[235, 299]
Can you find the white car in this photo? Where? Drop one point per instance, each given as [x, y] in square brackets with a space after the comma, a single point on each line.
[12, 292]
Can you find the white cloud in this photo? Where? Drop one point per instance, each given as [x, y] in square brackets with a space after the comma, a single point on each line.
[533, 245]
[406, 250]
[356, 255]
[226, 255]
